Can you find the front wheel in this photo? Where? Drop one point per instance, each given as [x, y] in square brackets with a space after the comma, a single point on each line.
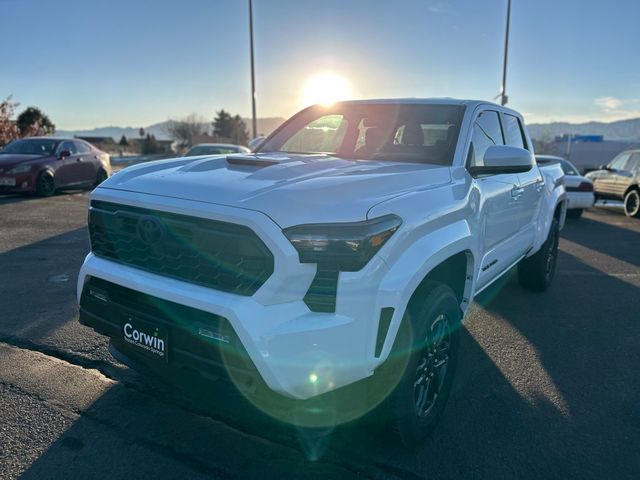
[45, 184]
[632, 204]
[427, 348]
[536, 272]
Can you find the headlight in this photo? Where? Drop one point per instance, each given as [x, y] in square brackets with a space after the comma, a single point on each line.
[18, 169]
[349, 246]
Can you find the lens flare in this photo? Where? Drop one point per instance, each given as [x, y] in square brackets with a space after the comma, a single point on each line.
[325, 88]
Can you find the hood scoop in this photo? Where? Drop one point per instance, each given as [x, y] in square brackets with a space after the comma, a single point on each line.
[254, 160]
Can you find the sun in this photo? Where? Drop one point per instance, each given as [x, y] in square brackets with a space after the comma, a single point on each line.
[324, 89]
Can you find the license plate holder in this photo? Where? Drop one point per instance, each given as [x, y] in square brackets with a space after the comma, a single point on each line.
[7, 182]
[146, 338]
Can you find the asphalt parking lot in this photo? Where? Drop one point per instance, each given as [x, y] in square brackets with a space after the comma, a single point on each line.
[548, 385]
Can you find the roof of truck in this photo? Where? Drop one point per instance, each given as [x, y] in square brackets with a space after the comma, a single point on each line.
[470, 103]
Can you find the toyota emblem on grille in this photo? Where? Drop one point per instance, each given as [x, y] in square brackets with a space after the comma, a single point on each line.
[150, 230]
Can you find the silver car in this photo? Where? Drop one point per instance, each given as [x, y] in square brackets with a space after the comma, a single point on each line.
[579, 188]
[215, 149]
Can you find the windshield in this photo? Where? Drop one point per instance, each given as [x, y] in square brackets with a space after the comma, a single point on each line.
[394, 132]
[31, 146]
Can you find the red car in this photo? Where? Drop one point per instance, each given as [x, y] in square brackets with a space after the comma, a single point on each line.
[44, 164]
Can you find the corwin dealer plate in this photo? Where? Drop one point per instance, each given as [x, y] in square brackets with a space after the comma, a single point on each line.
[148, 339]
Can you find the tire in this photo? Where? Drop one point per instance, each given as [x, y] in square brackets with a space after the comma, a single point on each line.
[536, 272]
[45, 184]
[574, 213]
[632, 203]
[428, 336]
[100, 177]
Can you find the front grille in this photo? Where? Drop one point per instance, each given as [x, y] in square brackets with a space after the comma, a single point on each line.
[220, 255]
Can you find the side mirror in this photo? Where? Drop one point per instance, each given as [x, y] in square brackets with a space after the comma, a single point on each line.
[504, 159]
[64, 154]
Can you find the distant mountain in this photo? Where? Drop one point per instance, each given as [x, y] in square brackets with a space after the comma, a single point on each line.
[627, 130]
[159, 130]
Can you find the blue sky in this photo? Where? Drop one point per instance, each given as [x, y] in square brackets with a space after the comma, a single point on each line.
[91, 63]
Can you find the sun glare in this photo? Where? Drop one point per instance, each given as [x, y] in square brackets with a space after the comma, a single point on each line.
[325, 89]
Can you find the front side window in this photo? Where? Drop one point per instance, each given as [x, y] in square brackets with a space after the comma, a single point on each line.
[367, 131]
[513, 131]
[486, 133]
[68, 145]
[620, 161]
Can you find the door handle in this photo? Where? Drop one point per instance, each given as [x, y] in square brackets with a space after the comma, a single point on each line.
[79, 159]
[516, 192]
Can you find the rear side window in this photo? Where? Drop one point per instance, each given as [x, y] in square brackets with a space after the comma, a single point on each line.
[513, 131]
[486, 132]
[82, 147]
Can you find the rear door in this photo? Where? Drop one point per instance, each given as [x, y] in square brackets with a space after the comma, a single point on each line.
[86, 163]
[499, 215]
[531, 182]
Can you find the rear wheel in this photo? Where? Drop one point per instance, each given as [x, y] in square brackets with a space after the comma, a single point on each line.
[632, 203]
[536, 272]
[427, 347]
[574, 213]
[45, 184]
[101, 177]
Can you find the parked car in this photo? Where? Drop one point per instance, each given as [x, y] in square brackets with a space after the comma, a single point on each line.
[620, 181]
[44, 164]
[579, 188]
[215, 149]
[343, 253]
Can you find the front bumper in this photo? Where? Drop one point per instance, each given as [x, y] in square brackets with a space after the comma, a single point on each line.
[580, 200]
[17, 183]
[296, 352]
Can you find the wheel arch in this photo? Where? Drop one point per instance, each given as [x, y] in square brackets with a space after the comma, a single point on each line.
[451, 261]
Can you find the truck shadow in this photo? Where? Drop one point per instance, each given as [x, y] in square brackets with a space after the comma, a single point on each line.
[593, 232]
[546, 388]
[38, 286]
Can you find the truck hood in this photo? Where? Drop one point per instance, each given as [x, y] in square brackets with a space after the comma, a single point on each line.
[291, 189]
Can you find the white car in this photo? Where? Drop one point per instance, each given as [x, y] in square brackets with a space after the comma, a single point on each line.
[330, 270]
[215, 149]
[579, 188]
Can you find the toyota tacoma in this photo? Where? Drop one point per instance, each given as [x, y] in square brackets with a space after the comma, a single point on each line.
[344, 251]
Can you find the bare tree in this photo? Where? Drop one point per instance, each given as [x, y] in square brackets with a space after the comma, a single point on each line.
[8, 129]
[183, 130]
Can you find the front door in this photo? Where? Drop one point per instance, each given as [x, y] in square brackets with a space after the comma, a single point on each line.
[67, 172]
[500, 211]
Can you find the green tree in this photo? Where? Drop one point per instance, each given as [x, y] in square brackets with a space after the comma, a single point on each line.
[150, 145]
[123, 142]
[230, 127]
[33, 122]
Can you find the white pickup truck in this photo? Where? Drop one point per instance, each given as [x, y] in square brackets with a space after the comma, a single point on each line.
[345, 251]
